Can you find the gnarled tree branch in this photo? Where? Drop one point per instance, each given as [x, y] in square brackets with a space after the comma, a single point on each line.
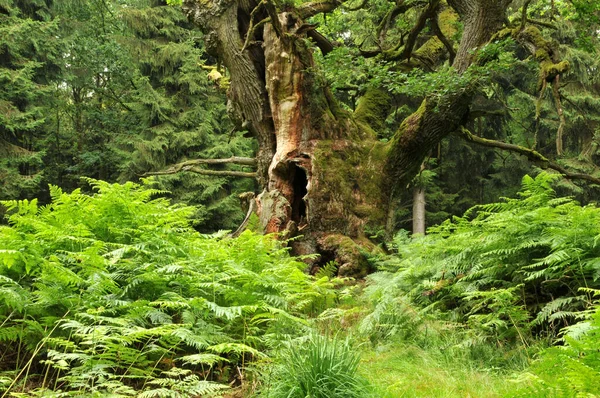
[252, 27]
[311, 9]
[273, 14]
[539, 23]
[400, 8]
[524, 13]
[445, 41]
[189, 165]
[321, 41]
[532, 155]
[218, 173]
[429, 13]
[234, 159]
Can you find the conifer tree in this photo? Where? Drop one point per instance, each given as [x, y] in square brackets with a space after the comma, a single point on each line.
[113, 90]
[28, 65]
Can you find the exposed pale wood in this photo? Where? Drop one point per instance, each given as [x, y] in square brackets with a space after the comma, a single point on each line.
[561, 115]
[418, 211]
[250, 198]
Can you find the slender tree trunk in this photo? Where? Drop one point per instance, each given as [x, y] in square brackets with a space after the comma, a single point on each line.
[418, 211]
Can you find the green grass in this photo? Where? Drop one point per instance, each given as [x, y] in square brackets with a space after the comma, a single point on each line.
[318, 367]
[404, 370]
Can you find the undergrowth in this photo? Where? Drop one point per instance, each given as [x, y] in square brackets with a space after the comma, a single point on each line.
[470, 309]
[571, 369]
[510, 271]
[115, 294]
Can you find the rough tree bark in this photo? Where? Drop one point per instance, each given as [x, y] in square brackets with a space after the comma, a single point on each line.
[323, 173]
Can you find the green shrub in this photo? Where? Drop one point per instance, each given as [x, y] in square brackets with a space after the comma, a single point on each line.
[568, 370]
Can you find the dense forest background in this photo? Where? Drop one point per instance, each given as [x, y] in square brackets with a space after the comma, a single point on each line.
[121, 171]
[113, 90]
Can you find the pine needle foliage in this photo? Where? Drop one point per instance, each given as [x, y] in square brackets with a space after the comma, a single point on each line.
[112, 90]
[509, 270]
[28, 63]
[114, 294]
[181, 114]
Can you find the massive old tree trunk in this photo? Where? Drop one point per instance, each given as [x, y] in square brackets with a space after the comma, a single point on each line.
[322, 171]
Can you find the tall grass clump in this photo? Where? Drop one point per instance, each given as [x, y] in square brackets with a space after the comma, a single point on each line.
[317, 367]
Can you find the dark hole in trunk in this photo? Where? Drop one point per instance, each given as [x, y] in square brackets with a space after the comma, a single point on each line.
[325, 257]
[299, 184]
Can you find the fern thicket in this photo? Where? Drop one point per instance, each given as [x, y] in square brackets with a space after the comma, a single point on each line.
[115, 292]
[508, 270]
[568, 370]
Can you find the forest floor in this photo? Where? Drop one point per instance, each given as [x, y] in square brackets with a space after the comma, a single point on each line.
[404, 370]
[431, 358]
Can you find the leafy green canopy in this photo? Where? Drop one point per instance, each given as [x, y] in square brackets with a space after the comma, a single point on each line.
[510, 106]
[509, 269]
[116, 292]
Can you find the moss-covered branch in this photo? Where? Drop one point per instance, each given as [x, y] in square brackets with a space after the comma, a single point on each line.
[421, 131]
[435, 25]
[317, 7]
[551, 68]
[532, 155]
[402, 50]
[190, 165]
[429, 12]
[373, 108]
